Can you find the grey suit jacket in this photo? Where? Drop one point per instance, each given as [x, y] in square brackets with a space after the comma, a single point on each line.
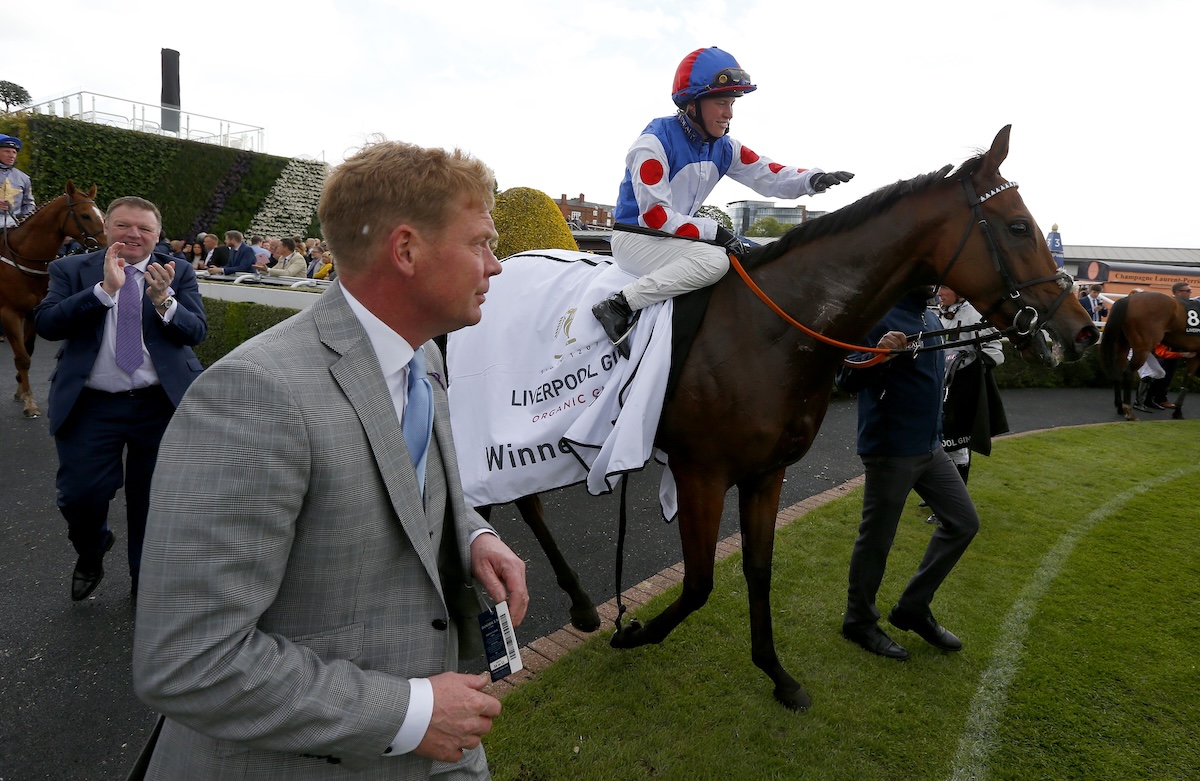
[286, 600]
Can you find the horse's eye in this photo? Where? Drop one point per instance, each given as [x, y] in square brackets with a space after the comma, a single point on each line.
[1018, 228]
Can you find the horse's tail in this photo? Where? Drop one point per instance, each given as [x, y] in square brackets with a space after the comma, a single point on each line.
[1114, 346]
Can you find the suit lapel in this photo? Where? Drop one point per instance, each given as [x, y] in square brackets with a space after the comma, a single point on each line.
[357, 373]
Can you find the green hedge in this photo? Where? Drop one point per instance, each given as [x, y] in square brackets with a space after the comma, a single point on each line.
[196, 186]
[232, 322]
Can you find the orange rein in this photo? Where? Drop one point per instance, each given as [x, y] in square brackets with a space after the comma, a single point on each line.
[881, 353]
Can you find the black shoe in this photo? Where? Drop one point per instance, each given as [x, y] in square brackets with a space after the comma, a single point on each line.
[1154, 405]
[873, 639]
[617, 319]
[926, 627]
[89, 571]
[933, 519]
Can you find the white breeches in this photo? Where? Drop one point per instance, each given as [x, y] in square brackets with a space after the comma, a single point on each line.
[667, 267]
[1151, 368]
[960, 457]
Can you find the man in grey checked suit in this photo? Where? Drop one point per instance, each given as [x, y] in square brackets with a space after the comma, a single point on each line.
[302, 610]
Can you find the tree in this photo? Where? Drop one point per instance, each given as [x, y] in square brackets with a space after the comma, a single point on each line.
[527, 219]
[766, 226]
[713, 213]
[13, 95]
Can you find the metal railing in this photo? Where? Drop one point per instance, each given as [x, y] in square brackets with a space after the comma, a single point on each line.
[149, 118]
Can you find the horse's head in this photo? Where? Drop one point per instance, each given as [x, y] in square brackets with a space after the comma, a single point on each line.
[1023, 292]
[83, 220]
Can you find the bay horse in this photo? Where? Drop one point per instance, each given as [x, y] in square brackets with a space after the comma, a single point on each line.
[26, 252]
[753, 391]
[1138, 322]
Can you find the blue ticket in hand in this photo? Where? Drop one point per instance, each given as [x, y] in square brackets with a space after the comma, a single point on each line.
[500, 642]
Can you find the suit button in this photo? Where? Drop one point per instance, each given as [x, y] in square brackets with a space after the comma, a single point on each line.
[439, 624]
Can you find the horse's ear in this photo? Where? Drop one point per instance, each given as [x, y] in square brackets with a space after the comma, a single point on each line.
[70, 188]
[995, 156]
[92, 192]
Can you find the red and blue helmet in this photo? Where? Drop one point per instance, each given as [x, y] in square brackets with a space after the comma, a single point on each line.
[707, 72]
[10, 142]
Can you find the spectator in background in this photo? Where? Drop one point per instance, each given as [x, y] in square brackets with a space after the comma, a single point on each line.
[316, 261]
[1094, 304]
[327, 269]
[215, 253]
[288, 262]
[177, 250]
[260, 252]
[241, 257]
[195, 255]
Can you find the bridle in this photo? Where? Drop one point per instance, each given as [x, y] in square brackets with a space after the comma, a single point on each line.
[89, 240]
[1026, 322]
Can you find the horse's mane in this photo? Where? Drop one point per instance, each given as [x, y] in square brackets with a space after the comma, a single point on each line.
[36, 209]
[849, 217]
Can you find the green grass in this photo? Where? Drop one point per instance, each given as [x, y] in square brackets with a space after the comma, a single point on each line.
[1083, 529]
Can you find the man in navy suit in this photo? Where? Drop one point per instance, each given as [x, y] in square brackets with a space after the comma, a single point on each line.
[119, 377]
[241, 257]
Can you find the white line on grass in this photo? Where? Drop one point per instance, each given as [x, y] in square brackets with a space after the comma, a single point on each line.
[975, 745]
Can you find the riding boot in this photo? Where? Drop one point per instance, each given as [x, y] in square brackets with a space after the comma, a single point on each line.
[617, 319]
[1139, 402]
[963, 471]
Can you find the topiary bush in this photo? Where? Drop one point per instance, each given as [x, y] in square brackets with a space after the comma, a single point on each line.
[527, 219]
[232, 322]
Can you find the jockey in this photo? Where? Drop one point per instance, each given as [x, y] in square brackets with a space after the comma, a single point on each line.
[16, 191]
[669, 171]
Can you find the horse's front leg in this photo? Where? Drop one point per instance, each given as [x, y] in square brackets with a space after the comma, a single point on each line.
[701, 500]
[758, 506]
[583, 611]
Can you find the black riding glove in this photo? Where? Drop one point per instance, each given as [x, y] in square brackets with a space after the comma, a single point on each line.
[729, 240]
[822, 182]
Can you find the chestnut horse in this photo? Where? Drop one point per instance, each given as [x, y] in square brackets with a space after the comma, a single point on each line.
[26, 252]
[1138, 322]
[753, 390]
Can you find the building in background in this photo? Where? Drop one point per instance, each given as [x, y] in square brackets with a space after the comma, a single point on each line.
[746, 213]
[582, 214]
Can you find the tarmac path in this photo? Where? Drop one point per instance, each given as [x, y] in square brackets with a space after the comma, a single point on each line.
[67, 708]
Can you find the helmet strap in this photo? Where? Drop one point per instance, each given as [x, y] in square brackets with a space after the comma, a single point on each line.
[696, 117]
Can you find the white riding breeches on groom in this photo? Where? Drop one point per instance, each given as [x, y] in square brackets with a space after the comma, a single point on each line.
[667, 266]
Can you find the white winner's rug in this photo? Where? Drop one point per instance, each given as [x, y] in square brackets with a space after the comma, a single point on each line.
[538, 396]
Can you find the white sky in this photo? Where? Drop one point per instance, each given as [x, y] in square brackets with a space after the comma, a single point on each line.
[1101, 93]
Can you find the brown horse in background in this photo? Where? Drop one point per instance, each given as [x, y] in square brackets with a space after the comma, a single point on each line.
[753, 390]
[1138, 322]
[26, 252]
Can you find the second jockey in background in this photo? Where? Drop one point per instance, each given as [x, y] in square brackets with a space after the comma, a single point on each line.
[670, 169]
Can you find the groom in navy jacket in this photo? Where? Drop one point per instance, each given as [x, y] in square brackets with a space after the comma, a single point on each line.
[109, 393]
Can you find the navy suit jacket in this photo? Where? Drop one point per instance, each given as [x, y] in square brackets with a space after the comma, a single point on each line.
[71, 311]
[241, 259]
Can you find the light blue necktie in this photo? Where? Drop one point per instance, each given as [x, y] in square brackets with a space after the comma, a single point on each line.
[418, 414]
[129, 324]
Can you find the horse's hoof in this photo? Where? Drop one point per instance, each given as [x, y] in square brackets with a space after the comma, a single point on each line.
[793, 698]
[31, 414]
[1177, 414]
[585, 619]
[627, 636]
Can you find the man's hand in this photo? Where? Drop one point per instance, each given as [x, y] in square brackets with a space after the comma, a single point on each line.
[893, 340]
[462, 714]
[501, 572]
[3, 205]
[114, 270]
[158, 281]
[823, 181]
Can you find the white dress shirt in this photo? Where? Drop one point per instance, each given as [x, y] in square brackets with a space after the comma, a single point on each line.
[106, 375]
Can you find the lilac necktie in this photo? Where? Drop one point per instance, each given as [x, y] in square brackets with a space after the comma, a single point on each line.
[418, 414]
[129, 324]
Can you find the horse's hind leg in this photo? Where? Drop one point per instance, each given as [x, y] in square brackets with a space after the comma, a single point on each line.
[758, 505]
[583, 611]
[1127, 393]
[21, 337]
[1189, 372]
[701, 500]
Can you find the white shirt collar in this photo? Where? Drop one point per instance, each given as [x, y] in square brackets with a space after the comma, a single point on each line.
[390, 348]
